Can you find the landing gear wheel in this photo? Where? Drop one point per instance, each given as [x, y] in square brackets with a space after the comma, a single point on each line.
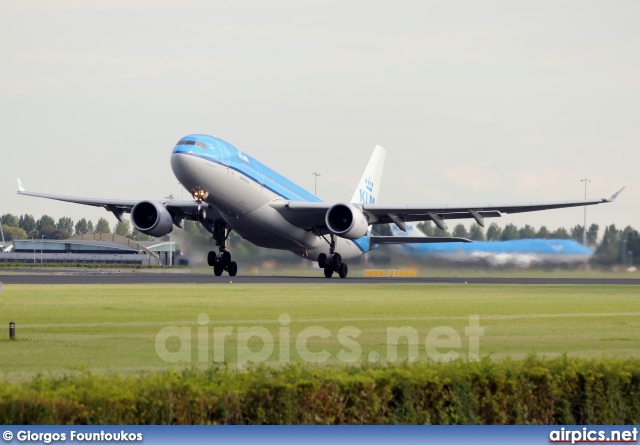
[328, 272]
[202, 214]
[336, 261]
[343, 270]
[218, 268]
[211, 259]
[322, 260]
[233, 269]
[225, 258]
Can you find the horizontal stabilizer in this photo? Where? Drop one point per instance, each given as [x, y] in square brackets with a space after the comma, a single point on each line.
[417, 239]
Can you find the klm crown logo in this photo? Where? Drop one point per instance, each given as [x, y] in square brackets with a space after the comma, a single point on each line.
[369, 184]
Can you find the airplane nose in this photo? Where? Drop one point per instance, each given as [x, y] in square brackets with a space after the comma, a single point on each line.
[176, 161]
[182, 168]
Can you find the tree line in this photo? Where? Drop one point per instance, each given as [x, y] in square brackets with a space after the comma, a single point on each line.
[511, 232]
[27, 227]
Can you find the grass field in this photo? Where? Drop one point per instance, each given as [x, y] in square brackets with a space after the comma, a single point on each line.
[129, 328]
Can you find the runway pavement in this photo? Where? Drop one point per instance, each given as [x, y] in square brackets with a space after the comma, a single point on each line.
[182, 278]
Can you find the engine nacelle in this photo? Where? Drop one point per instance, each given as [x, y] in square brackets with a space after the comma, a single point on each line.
[346, 221]
[151, 218]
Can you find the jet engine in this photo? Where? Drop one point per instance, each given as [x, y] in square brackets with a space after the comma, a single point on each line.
[346, 221]
[151, 218]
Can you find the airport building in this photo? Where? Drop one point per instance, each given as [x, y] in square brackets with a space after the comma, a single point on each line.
[94, 248]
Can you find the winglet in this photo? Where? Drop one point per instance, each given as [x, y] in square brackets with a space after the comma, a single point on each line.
[21, 186]
[613, 196]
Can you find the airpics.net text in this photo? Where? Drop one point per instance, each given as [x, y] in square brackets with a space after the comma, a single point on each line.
[257, 344]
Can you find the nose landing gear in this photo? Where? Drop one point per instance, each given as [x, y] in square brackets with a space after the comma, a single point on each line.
[199, 194]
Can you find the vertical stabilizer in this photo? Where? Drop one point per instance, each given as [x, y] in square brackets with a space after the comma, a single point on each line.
[369, 186]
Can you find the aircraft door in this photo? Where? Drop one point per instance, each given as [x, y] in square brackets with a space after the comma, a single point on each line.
[258, 169]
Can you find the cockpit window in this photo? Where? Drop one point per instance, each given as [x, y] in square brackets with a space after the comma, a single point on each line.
[185, 141]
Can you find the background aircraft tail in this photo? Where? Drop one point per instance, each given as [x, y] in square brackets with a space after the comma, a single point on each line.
[369, 186]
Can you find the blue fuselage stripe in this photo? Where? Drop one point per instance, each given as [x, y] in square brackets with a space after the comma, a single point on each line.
[249, 167]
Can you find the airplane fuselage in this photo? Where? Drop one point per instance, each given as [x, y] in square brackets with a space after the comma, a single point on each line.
[242, 189]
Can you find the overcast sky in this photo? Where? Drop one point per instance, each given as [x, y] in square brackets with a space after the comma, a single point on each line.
[495, 101]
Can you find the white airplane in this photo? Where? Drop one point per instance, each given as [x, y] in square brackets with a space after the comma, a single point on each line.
[234, 192]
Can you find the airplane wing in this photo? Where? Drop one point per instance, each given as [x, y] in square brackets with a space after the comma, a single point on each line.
[310, 215]
[179, 209]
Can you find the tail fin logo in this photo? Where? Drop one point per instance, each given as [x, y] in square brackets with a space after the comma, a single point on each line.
[365, 197]
[369, 184]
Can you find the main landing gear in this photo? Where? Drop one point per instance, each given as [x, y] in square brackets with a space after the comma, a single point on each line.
[332, 263]
[222, 262]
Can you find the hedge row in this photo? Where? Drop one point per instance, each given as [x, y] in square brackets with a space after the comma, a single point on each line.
[561, 391]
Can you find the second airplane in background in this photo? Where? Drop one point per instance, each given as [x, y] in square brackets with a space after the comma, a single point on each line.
[511, 253]
[234, 192]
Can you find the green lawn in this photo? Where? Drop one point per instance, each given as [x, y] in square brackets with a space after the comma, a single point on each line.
[121, 328]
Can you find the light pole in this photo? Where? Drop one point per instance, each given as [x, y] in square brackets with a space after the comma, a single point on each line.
[1, 234]
[41, 241]
[584, 228]
[315, 183]
[34, 250]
